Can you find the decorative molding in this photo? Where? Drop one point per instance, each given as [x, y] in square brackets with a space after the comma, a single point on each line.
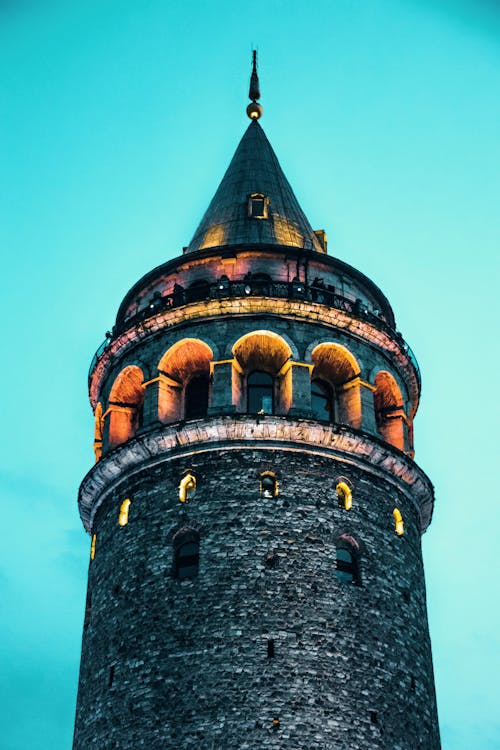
[230, 432]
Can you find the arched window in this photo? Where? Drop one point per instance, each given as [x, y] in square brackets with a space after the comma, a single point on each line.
[322, 400]
[186, 554]
[196, 397]
[347, 571]
[123, 515]
[260, 389]
[399, 526]
[344, 495]
[268, 485]
[187, 487]
[125, 406]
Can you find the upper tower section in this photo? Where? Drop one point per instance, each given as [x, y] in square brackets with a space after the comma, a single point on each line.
[254, 203]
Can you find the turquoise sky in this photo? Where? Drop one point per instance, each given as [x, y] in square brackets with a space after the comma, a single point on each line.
[117, 120]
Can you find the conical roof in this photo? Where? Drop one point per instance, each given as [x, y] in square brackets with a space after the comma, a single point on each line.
[272, 217]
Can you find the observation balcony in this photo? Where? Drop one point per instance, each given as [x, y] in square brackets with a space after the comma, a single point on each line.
[226, 289]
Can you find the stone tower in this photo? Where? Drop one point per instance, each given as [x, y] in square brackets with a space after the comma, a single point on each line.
[255, 512]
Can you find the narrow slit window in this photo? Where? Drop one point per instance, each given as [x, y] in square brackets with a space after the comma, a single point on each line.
[347, 571]
[268, 485]
[399, 526]
[186, 556]
[111, 675]
[270, 648]
[187, 487]
[344, 495]
[92, 547]
[123, 515]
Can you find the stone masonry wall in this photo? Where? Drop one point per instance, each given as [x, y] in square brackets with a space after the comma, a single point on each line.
[184, 664]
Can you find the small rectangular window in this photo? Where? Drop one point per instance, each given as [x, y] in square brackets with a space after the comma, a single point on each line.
[257, 206]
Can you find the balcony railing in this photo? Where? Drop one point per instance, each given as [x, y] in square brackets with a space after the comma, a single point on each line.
[225, 289]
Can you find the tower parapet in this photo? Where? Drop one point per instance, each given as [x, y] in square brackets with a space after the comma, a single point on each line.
[255, 509]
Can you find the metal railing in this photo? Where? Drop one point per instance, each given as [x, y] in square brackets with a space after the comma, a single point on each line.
[226, 289]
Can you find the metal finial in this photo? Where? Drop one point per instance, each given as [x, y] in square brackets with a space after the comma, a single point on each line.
[254, 110]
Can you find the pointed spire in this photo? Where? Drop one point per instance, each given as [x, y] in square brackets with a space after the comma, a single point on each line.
[254, 110]
[254, 204]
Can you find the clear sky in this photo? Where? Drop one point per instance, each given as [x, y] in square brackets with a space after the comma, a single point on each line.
[117, 120]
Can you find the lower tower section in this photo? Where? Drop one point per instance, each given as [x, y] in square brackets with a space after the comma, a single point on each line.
[257, 591]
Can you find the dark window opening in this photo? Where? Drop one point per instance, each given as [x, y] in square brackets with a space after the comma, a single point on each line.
[196, 397]
[260, 388]
[373, 717]
[322, 400]
[88, 609]
[270, 648]
[268, 486]
[347, 567]
[111, 675]
[413, 684]
[187, 557]
[257, 206]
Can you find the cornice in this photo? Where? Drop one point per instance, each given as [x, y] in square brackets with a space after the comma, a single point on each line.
[235, 432]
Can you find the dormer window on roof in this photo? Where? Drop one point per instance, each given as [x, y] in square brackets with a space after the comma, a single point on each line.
[258, 205]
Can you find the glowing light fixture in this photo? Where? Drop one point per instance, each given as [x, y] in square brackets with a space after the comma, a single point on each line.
[399, 526]
[123, 515]
[187, 487]
[92, 547]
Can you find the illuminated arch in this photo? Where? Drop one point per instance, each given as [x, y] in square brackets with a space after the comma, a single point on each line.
[183, 383]
[125, 405]
[399, 526]
[344, 495]
[335, 365]
[98, 431]
[262, 355]
[269, 485]
[389, 409]
[187, 487]
[123, 514]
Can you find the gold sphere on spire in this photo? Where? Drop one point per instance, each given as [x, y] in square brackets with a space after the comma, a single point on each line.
[254, 110]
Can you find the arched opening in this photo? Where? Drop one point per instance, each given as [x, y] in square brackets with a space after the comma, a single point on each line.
[322, 400]
[184, 380]
[268, 485]
[198, 291]
[336, 367]
[125, 405]
[347, 559]
[344, 495]
[187, 487]
[389, 409]
[261, 379]
[98, 431]
[399, 526]
[186, 544]
[123, 514]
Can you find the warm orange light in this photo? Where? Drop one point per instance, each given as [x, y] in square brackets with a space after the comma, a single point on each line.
[92, 547]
